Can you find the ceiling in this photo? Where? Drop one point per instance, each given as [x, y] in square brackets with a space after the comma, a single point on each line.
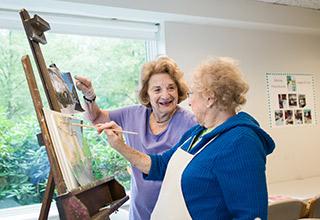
[311, 4]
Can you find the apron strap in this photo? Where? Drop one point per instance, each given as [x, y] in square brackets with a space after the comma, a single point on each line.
[212, 139]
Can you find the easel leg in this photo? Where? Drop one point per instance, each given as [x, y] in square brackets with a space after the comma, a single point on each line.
[48, 195]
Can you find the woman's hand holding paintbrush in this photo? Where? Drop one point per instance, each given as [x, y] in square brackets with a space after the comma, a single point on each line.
[99, 126]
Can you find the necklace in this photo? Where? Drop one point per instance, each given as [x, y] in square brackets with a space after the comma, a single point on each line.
[160, 122]
[164, 121]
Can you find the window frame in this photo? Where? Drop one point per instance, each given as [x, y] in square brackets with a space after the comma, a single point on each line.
[81, 24]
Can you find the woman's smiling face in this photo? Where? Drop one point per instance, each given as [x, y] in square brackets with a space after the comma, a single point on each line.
[163, 93]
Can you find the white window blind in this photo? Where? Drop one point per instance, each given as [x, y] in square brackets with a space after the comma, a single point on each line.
[84, 25]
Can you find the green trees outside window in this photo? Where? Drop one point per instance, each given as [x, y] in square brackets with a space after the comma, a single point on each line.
[114, 67]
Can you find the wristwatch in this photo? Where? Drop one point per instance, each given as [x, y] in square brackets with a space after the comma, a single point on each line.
[90, 100]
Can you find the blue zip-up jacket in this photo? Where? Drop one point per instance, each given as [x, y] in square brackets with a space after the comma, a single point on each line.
[227, 179]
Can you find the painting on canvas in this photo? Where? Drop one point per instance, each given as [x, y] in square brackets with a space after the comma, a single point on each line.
[65, 90]
[71, 149]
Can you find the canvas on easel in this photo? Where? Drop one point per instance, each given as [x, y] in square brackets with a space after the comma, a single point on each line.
[71, 148]
[64, 90]
[76, 199]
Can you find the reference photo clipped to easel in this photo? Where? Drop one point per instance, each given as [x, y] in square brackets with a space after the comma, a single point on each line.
[79, 195]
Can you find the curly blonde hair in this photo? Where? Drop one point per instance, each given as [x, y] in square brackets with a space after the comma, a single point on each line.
[221, 78]
[161, 65]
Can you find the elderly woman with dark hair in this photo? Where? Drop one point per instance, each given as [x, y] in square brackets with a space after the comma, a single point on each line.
[159, 121]
[217, 169]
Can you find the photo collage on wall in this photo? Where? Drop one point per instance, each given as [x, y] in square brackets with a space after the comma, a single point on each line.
[291, 99]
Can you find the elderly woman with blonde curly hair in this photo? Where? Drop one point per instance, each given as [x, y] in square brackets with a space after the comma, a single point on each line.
[217, 169]
[159, 121]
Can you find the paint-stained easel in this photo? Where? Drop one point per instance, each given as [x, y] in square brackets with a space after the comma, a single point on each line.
[95, 201]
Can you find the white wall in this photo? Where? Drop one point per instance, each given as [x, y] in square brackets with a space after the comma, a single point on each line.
[298, 148]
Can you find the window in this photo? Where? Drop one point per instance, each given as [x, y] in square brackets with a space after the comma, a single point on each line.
[112, 62]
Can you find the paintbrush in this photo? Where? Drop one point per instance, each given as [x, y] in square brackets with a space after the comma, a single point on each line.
[91, 126]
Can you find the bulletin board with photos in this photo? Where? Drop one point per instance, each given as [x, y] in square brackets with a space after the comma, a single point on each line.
[291, 99]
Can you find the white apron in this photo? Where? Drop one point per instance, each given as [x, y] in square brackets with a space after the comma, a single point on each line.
[171, 204]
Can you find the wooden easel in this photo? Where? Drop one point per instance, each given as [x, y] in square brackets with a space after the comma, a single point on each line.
[95, 201]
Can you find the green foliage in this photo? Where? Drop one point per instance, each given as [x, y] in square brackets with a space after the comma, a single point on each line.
[114, 67]
[13, 85]
[23, 165]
